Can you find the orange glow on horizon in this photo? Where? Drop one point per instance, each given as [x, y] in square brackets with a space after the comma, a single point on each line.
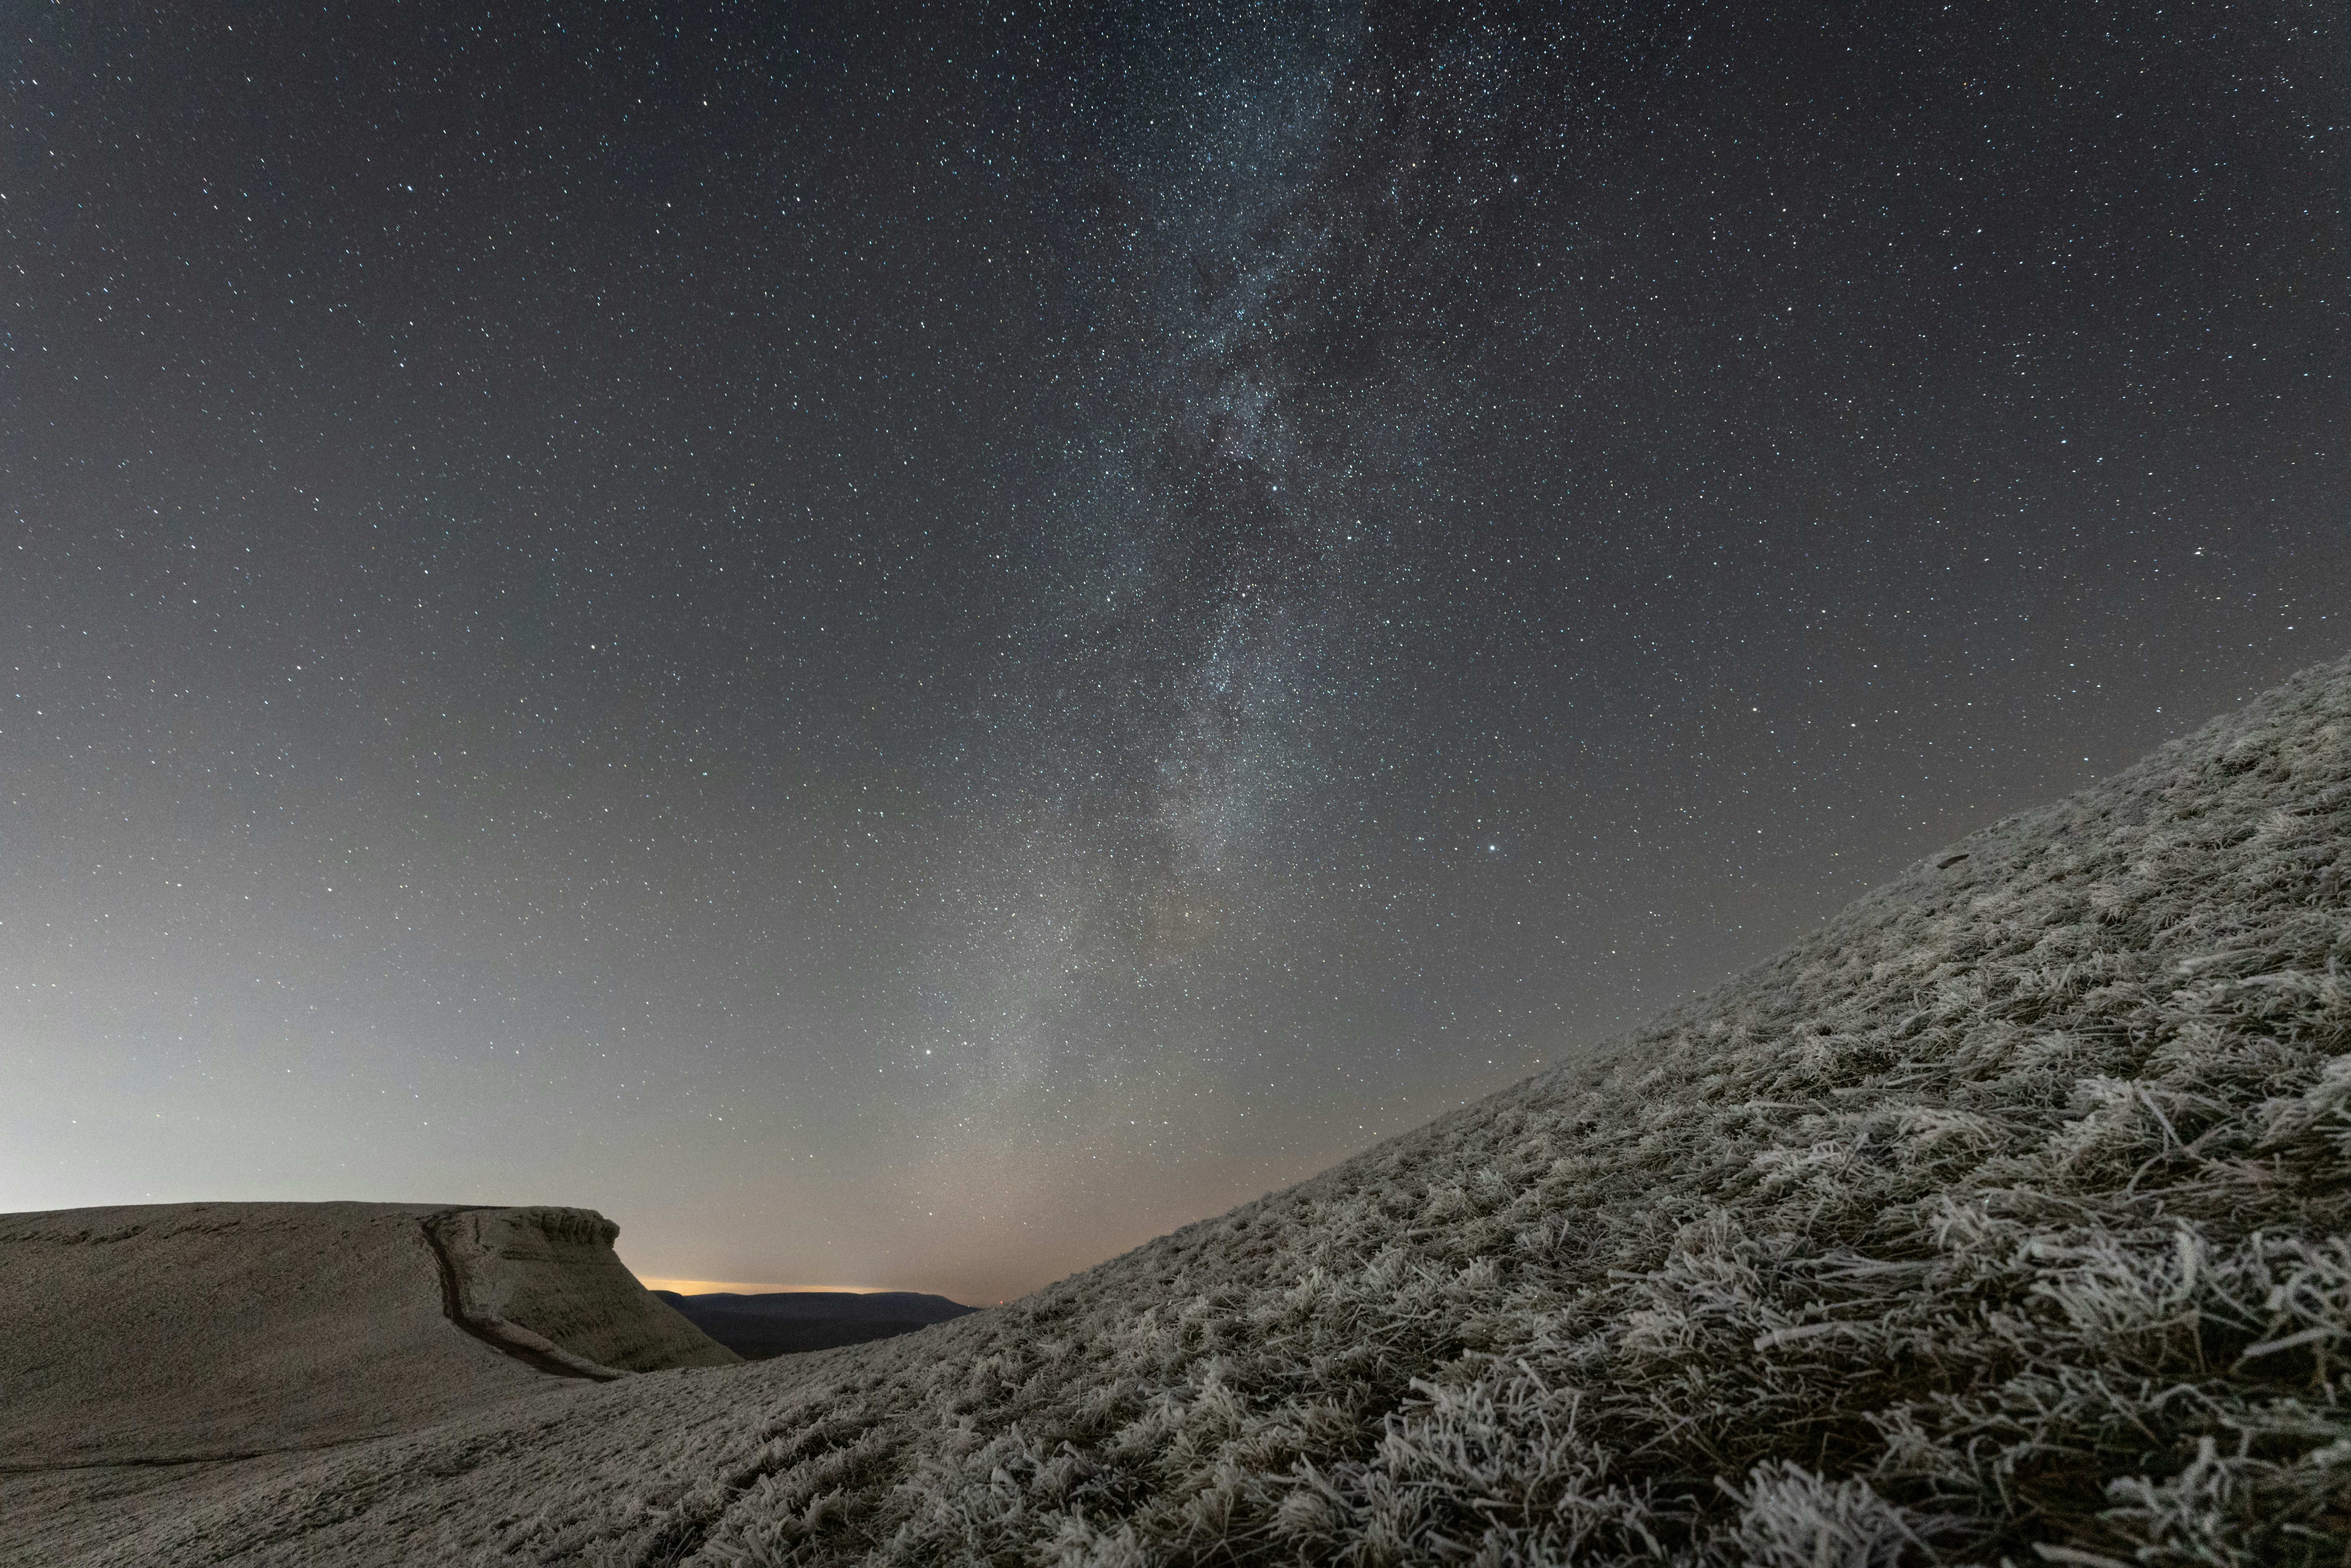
[741, 1287]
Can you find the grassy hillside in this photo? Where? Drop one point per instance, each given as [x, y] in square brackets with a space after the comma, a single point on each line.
[2004, 1218]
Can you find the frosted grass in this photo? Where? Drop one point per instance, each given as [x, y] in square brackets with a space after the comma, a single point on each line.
[2004, 1219]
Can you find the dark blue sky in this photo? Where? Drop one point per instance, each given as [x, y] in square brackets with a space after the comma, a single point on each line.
[905, 646]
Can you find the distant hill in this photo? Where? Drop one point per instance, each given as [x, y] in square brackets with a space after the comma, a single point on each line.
[2006, 1217]
[784, 1322]
[181, 1333]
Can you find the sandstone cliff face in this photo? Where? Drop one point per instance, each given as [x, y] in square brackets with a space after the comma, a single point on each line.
[546, 1282]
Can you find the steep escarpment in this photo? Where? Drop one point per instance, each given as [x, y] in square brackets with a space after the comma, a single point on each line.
[2006, 1217]
[545, 1284]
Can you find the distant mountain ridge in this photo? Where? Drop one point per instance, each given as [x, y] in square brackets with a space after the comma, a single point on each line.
[899, 1306]
[785, 1322]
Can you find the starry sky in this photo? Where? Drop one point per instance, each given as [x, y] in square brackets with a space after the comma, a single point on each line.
[905, 646]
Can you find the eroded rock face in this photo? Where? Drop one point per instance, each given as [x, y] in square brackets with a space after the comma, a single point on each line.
[545, 1283]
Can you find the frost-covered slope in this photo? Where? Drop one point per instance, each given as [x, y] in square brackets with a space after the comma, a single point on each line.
[2008, 1211]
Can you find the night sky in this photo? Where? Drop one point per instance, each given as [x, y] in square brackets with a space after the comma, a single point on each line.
[905, 646]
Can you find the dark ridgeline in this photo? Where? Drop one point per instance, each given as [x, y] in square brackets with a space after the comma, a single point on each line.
[783, 1322]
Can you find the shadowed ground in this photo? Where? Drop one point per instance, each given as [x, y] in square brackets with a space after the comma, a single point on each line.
[787, 1323]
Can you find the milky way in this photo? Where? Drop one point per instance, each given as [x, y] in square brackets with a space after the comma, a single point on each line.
[906, 647]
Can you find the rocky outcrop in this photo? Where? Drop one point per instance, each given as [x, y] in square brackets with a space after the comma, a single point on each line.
[545, 1284]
